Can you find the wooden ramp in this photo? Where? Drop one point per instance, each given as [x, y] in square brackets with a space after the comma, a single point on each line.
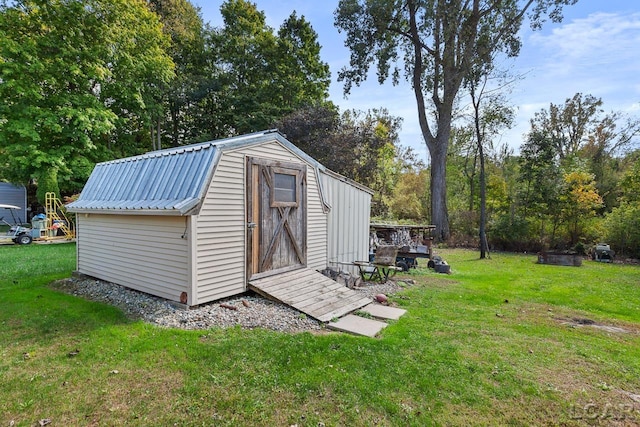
[310, 292]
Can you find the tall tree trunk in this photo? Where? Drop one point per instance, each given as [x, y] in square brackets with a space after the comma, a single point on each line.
[175, 118]
[472, 189]
[439, 211]
[483, 206]
[480, 136]
[158, 134]
[438, 145]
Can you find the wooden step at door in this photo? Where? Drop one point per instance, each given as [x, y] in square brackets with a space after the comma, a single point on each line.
[310, 292]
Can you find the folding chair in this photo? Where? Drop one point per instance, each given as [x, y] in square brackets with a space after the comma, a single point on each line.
[383, 266]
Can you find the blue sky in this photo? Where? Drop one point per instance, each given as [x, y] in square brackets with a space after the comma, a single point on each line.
[595, 50]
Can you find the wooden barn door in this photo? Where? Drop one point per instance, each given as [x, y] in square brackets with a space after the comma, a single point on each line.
[276, 217]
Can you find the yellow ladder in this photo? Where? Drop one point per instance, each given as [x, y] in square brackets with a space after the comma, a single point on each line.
[55, 215]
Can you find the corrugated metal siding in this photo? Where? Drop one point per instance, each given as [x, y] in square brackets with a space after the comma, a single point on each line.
[170, 180]
[221, 235]
[146, 253]
[347, 223]
[16, 196]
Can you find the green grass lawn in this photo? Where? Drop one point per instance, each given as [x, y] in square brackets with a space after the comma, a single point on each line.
[499, 342]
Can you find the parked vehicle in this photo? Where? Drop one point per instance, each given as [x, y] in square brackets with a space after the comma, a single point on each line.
[602, 252]
[16, 233]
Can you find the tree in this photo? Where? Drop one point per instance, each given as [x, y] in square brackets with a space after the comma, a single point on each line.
[568, 125]
[465, 150]
[301, 78]
[245, 48]
[70, 69]
[139, 67]
[630, 182]
[436, 43]
[608, 139]
[362, 146]
[183, 24]
[265, 76]
[490, 114]
[409, 201]
[622, 229]
[622, 224]
[580, 129]
[579, 201]
[312, 128]
[540, 178]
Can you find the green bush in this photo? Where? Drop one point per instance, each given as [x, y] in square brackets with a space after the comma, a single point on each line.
[511, 233]
[622, 229]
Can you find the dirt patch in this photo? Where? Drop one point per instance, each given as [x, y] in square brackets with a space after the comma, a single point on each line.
[583, 321]
[548, 314]
[578, 322]
[436, 280]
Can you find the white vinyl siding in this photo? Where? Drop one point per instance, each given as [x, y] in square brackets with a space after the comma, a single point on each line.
[142, 252]
[316, 225]
[348, 223]
[202, 249]
[220, 247]
[221, 223]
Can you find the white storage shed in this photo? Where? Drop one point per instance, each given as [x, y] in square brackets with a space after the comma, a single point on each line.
[198, 223]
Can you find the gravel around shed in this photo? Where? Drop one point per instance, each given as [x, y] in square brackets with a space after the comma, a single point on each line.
[248, 311]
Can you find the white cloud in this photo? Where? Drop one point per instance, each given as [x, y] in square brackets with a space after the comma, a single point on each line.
[596, 55]
[600, 47]
[633, 108]
[600, 35]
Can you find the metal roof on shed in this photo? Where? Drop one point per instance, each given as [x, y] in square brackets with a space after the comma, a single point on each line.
[168, 181]
[171, 182]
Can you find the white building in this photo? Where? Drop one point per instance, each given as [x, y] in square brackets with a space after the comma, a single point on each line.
[197, 223]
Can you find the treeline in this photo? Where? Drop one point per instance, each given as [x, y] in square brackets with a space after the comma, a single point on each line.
[574, 182]
[84, 81]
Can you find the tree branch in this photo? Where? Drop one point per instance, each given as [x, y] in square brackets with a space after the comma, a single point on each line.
[417, 74]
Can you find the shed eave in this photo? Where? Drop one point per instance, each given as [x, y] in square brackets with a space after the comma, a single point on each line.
[349, 181]
[154, 212]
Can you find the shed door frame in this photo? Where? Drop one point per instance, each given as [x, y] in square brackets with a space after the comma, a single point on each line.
[276, 216]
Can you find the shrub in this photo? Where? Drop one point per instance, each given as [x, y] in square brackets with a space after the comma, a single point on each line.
[511, 233]
[622, 229]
